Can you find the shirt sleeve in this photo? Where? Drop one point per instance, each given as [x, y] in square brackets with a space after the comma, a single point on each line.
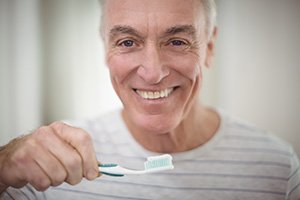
[25, 193]
[293, 188]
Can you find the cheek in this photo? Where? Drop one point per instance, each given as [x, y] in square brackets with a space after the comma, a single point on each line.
[120, 66]
[188, 66]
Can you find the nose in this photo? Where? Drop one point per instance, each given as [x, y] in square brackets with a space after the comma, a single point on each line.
[152, 68]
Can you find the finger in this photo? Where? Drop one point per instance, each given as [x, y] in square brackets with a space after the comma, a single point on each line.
[82, 142]
[68, 157]
[39, 179]
[51, 167]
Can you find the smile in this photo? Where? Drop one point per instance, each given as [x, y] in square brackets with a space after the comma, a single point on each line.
[155, 94]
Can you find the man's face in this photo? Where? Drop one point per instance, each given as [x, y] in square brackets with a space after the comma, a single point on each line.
[155, 50]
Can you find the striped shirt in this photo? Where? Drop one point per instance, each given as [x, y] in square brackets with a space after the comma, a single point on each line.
[239, 162]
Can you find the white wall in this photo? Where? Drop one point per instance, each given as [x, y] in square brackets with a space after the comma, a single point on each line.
[20, 72]
[77, 80]
[259, 65]
[51, 64]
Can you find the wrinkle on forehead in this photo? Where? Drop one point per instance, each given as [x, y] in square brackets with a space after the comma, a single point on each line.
[151, 5]
[119, 7]
[153, 15]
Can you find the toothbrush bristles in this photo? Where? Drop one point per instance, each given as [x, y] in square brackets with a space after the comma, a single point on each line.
[159, 162]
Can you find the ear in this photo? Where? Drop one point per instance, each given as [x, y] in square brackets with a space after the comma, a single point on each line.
[210, 51]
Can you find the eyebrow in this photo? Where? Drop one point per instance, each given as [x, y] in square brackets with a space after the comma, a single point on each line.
[117, 30]
[187, 29]
[120, 29]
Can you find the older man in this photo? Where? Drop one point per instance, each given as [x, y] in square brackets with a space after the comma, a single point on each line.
[155, 51]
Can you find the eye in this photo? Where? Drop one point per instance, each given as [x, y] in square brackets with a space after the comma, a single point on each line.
[127, 43]
[177, 42]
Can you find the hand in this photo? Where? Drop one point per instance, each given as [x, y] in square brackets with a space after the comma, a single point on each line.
[48, 157]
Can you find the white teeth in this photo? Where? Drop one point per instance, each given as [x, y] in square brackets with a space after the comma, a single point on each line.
[156, 94]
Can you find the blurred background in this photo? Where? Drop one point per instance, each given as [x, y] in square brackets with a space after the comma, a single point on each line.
[52, 68]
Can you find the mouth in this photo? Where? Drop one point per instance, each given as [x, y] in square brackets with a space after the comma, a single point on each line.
[153, 95]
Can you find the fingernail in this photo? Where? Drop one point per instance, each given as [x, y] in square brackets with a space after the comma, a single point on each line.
[92, 174]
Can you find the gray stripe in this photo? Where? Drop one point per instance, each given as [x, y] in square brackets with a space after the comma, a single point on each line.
[98, 194]
[254, 150]
[31, 190]
[248, 137]
[225, 162]
[107, 142]
[294, 173]
[25, 195]
[9, 195]
[292, 190]
[196, 188]
[238, 162]
[238, 176]
[120, 156]
[245, 190]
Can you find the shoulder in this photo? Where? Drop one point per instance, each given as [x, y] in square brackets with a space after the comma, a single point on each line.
[240, 129]
[245, 141]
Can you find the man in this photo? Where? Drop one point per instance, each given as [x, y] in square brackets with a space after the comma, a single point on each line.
[155, 51]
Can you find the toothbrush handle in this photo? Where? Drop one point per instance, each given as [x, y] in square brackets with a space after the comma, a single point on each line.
[116, 170]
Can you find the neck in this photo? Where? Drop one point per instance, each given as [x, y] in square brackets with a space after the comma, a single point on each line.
[195, 129]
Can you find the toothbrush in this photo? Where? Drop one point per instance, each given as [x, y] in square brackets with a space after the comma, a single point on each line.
[153, 164]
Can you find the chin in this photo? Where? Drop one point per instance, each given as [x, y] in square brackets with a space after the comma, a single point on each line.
[157, 124]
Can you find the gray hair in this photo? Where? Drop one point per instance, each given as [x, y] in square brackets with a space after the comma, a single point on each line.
[211, 15]
[210, 9]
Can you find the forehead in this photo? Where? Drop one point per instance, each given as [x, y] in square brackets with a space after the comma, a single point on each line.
[153, 13]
